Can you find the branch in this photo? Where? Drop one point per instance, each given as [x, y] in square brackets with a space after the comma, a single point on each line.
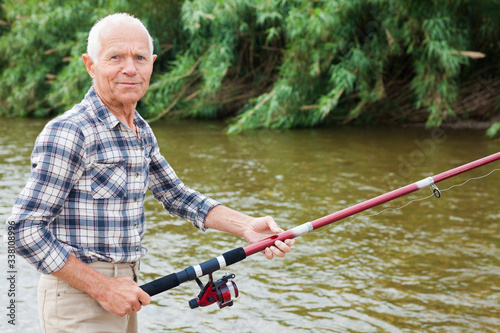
[188, 73]
[176, 100]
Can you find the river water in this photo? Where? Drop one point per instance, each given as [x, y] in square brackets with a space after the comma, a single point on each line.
[416, 264]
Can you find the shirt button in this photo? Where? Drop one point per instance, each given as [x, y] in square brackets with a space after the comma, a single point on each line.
[137, 175]
[137, 248]
[135, 224]
[135, 199]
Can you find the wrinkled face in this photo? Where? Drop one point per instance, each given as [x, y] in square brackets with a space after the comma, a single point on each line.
[122, 72]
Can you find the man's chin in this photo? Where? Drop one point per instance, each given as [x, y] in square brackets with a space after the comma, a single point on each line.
[130, 97]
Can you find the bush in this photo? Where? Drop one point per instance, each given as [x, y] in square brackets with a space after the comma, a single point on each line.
[271, 63]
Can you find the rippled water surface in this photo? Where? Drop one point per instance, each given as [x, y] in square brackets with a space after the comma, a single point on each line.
[431, 266]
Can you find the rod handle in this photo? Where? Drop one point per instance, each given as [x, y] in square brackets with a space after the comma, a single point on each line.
[192, 272]
[160, 285]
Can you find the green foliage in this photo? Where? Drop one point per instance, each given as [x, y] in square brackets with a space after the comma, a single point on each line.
[220, 68]
[341, 53]
[43, 72]
[3, 21]
[493, 130]
[3, 29]
[270, 63]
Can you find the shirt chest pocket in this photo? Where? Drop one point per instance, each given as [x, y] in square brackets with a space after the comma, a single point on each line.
[108, 180]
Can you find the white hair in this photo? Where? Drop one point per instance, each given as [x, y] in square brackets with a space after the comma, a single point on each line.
[94, 41]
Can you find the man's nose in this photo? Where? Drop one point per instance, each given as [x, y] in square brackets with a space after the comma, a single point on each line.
[129, 67]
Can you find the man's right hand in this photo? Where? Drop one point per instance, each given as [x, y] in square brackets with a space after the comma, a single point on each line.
[121, 295]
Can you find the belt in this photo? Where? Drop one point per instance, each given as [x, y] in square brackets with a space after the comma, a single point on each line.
[110, 269]
[117, 269]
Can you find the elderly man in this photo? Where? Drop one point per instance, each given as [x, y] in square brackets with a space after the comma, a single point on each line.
[80, 219]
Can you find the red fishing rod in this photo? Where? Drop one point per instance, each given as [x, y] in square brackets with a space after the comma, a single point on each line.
[224, 290]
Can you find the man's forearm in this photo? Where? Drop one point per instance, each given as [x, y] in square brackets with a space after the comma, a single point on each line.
[228, 220]
[252, 229]
[81, 276]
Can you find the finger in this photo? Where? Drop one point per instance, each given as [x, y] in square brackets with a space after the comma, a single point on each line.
[277, 252]
[137, 304]
[290, 242]
[272, 225]
[268, 253]
[283, 247]
[129, 311]
[144, 298]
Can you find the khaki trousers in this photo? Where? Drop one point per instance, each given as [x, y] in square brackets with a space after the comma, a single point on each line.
[63, 308]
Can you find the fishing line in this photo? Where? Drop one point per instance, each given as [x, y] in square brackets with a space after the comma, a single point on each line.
[473, 178]
[410, 202]
[245, 271]
[251, 263]
[223, 290]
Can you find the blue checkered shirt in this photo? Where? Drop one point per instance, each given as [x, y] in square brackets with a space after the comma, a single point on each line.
[85, 195]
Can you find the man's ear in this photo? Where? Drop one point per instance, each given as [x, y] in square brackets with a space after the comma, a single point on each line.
[89, 64]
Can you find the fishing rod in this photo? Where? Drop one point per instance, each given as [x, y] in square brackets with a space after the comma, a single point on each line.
[224, 290]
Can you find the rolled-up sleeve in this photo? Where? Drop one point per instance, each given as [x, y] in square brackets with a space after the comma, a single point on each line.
[178, 199]
[56, 164]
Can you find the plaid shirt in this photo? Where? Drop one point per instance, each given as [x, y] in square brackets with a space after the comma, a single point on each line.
[85, 195]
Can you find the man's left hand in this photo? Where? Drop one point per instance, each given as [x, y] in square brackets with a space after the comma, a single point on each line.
[264, 227]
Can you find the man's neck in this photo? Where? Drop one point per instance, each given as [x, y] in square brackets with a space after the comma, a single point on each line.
[124, 114]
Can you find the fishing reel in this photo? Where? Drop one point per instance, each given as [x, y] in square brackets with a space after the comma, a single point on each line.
[222, 291]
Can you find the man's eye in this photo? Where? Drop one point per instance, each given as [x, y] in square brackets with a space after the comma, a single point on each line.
[140, 58]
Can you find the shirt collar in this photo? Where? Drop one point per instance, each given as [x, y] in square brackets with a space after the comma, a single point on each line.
[103, 114]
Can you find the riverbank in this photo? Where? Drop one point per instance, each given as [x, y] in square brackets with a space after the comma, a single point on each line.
[459, 124]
